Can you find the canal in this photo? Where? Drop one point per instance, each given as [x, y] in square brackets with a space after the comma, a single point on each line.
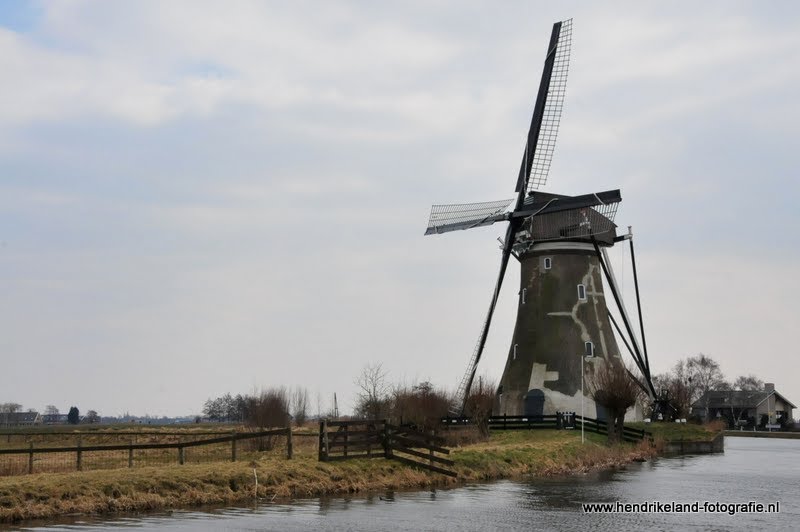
[760, 470]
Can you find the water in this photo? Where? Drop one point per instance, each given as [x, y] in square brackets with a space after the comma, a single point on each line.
[761, 470]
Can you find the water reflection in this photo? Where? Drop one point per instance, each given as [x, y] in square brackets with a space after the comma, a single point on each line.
[750, 469]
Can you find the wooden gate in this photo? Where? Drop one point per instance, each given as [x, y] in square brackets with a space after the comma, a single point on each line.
[416, 448]
[344, 440]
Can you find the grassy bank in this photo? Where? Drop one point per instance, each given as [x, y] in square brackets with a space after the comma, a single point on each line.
[680, 431]
[504, 455]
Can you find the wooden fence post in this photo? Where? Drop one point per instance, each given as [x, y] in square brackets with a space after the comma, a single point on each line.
[289, 445]
[233, 446]
[433, 433]
[130, 455]
[180, 456]
[30, 459]
[325, 439]
[319, 446]
[78, 458]
[345, 440]
[387, 444]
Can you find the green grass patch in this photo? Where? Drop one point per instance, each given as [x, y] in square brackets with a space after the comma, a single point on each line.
[679, 431]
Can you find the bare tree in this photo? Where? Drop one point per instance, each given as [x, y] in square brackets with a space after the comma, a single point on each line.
[300, 405]
[479, 404]
[373, 395]
[680, 387]
[10, 408]
[748, 383]
[737, 397]
[92, 416]
[318, 397]
[51, 410]
[706, 375]
[422, 405]
[612, 387]
[268, 409]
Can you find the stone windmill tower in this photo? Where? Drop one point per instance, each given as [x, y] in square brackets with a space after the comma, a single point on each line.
[560, 242]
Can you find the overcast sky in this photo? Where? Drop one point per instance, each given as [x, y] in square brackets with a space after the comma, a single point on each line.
[208, 197]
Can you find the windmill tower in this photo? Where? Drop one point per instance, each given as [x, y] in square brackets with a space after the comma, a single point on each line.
[560, 242]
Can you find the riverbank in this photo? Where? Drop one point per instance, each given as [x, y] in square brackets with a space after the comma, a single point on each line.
[513, 454]
[763, 434]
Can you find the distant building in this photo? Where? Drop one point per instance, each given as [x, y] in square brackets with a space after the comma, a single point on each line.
[759, 408]
[54, 419]
[20, 419]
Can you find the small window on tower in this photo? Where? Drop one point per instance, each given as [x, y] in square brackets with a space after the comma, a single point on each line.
[524, 290]
[548, 263]
[589, 349]
[515, 351]
[581, 292]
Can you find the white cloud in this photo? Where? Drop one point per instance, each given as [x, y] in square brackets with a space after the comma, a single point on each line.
[237, 195]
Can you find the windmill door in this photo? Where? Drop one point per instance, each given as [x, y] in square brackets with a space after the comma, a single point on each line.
[534, 403]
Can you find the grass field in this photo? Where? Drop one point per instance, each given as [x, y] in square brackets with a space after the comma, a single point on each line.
[504, 455]
[681, 431]
[54, 462]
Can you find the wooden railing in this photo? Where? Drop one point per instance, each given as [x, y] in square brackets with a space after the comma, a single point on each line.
[345, 440]
[15, 454]
[351, 439]
[566, 420]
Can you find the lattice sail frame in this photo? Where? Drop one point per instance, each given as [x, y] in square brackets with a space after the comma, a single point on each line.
[551, 118]
[455, 216]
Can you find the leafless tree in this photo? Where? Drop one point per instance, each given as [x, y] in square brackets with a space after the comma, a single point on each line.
[613, 388]
[680, 387]
[706, 375]
[268, 409]
[318, 397]
[479, 403]
[736, 396]
[10, 408]
[51, 410]
[373, 394]
[748, 383]
[300, 405]
[422, 405]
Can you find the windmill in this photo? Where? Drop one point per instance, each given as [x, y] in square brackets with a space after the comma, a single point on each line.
[560, 242]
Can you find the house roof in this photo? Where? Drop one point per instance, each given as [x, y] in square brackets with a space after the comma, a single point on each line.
[737, 399]
[18, 417]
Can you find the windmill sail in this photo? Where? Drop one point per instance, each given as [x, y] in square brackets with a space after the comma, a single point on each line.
[541, 142]
[455, 216]
[462, 394]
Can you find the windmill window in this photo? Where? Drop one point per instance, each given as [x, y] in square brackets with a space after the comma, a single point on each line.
[589, 349]
[548, 263]
[581, 292]
[524, 290]
[515, 351]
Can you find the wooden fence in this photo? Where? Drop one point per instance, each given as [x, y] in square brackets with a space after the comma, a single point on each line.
[27, 455]
[566, 420]
[417, 448]
[351, 439]
[344, 440]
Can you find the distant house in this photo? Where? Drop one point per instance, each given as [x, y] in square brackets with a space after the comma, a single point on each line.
[758, 408]
[54, 419]
[20, 419]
